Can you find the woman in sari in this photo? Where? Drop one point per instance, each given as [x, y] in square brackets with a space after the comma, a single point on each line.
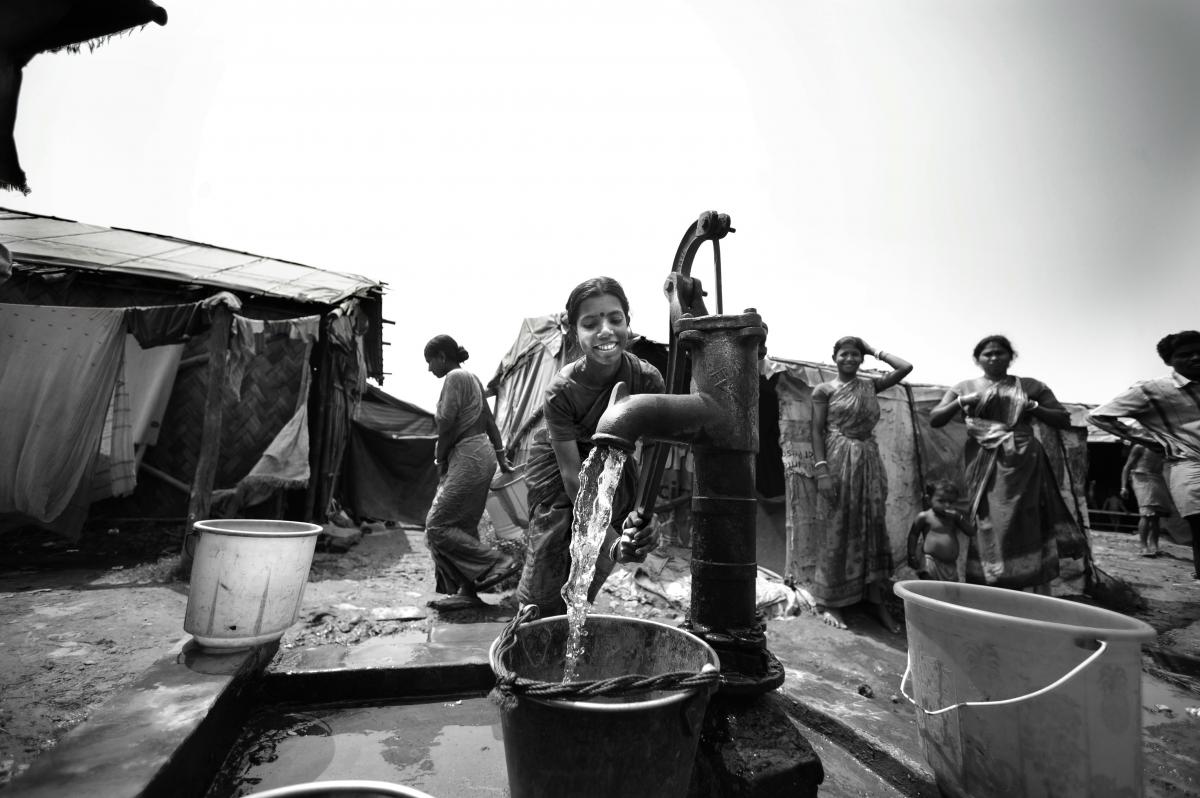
[855, 557]
[598, 322]
[1019, 513]
[467, 451]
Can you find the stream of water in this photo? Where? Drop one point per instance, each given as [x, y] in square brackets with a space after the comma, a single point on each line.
[598, 480]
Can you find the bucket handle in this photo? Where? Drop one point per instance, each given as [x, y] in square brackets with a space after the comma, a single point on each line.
[1058, 683]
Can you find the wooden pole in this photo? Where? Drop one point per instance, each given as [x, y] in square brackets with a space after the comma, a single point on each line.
[200, 499]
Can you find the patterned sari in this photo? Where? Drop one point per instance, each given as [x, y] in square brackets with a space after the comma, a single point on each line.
[855, 551]
[1018, 511]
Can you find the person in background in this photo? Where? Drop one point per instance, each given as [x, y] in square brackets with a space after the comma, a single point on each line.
[1020, 518]
[1115, 503]
[576, 398]
[855, 557]
[933, 536]
[1168, 408]
[1142, 476]
[467, 452]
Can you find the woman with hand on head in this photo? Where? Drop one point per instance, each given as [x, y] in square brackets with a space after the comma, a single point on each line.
[855, 556]
[1019, 514]
[598, 322]
[467, 452]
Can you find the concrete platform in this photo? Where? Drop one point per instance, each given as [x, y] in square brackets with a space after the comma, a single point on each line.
[166, 734]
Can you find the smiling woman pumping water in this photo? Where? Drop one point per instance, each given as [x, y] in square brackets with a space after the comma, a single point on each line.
[598, 321]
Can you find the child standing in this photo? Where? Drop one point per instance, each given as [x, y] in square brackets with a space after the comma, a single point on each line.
[934, 532]
[1143, 472]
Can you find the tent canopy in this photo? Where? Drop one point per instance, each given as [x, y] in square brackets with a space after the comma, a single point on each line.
[47, 241]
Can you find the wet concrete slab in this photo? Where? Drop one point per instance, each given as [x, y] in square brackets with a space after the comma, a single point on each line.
[845, 687]
[153, 736]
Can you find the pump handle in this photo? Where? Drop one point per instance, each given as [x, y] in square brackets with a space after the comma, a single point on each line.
[686, 297]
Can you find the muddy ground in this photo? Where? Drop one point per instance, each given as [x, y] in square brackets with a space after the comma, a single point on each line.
[79, 622]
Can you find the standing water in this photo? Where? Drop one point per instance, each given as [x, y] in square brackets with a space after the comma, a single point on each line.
[598, 480]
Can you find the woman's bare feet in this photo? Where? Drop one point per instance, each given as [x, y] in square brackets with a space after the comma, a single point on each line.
[885, 618]
[832, 616]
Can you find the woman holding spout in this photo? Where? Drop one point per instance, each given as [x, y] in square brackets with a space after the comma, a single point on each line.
[855, 556]
[598, 322]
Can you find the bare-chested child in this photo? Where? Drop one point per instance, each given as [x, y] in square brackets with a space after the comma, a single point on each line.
[936, 556]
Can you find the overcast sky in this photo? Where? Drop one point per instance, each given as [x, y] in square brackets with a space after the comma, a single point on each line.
[919, 173]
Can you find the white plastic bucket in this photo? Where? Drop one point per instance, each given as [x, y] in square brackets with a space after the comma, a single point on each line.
[1024, 695]
[508, 504]
[247, 581]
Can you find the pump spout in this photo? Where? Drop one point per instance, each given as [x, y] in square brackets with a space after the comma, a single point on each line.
[676, 418]
[719, 420]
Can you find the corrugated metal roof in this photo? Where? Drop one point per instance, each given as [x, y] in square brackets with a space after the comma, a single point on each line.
[47, 240]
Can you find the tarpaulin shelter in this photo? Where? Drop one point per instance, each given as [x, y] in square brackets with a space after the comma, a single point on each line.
[172, 379]
[29, 27]
[914, 453]
[389, 473]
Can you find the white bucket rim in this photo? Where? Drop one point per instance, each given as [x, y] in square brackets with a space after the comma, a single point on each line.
[336, 786]
[228, 526]
[1124, 628]
[676, 696]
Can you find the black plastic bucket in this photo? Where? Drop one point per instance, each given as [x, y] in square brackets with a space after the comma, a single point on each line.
[638, 745]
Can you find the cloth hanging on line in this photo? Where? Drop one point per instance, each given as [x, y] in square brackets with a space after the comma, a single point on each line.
[284, 463]
[61, 369]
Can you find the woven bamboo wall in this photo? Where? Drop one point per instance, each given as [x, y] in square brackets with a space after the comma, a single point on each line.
[269, 390]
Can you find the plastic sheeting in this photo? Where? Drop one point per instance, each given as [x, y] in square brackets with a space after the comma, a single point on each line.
[389, 472]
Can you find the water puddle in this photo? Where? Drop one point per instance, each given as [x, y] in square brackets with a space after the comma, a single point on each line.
[598, 480]
[447, 747]
[1163, 702]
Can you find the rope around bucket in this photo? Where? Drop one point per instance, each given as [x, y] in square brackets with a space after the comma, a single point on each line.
[509, 685]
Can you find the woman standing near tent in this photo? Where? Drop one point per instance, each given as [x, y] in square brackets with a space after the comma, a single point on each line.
[468, 448]
[598, 320]
[855, 556]
[1020, 515]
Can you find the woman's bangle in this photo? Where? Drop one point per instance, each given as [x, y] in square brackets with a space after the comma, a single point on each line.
[879, 353]
[821, 463]
[960, 403]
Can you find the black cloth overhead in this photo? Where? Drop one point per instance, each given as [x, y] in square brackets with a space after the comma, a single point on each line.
[389, 473]
[29, 27]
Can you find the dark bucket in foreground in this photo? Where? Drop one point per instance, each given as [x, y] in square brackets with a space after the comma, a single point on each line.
[640, 745]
